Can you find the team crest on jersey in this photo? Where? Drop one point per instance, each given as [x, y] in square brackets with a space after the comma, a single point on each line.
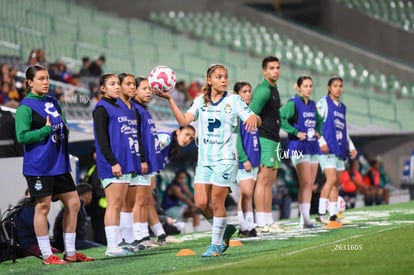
[227, 109]
[51, 109]
[38, 185]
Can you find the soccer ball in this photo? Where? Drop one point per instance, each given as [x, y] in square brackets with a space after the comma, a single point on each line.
[341, 204]
[162, 78]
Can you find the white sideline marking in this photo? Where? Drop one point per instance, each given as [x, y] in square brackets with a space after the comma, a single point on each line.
[204, 268]
[362, 219]
[337, 241]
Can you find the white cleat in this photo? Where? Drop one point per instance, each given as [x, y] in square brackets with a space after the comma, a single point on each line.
[322, 219]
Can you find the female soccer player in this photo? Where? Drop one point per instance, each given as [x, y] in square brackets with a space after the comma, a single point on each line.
[248, 151]
[144, 209]
[117, 155]
[334, 143]
[302, 123]
[218, 114]
[128, 90]
[170, 145]
[172, 142]
[42, 128]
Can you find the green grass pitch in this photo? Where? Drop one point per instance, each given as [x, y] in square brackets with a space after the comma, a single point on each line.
[379, 241]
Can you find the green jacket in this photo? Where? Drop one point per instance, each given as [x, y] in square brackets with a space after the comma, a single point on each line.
[24, 119]
[288, 112]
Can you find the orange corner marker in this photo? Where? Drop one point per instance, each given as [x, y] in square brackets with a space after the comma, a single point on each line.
[235, 243]
[185, 252]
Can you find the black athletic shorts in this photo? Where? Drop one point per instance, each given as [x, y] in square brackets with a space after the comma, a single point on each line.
[50, 185]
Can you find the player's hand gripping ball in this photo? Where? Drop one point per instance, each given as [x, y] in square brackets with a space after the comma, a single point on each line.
[162, 78]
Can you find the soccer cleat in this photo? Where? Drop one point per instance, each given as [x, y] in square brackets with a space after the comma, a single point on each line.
[333, 225]
[310, 226]
[228, 232]
[77, 257]
[137, 246]
[213, 250]
[276, 228]
[53, 259]
[118, 251]
[253, 233]
[126, 246]
[147, 243]
[322, 219]
[171, 239]
[262, 229]
[343, 220]
[162, 239]
[247, 233]
[333, 218]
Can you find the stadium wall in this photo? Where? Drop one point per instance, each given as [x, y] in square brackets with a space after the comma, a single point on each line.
[329, 44]
[387, 38]
[392, 150]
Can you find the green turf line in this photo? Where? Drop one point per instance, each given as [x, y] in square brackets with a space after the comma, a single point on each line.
[384, 234]
[388, 251]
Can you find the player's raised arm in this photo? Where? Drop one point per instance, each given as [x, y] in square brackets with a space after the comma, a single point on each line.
[182, 119]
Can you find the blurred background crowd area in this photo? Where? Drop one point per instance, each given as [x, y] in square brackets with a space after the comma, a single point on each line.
[367, 43]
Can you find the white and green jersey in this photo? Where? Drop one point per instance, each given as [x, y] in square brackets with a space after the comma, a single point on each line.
[217, 128]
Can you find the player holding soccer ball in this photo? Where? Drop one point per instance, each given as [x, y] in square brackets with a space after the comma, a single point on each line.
[162, 78]
[218, 113]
